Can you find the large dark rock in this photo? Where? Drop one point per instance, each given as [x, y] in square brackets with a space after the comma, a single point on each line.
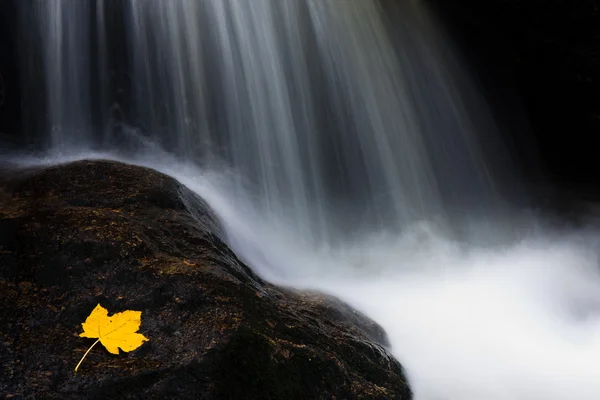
[75, 235]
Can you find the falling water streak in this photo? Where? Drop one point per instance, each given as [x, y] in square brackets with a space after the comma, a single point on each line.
[65, 33]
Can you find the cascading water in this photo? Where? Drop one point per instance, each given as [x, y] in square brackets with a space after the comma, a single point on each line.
[307, 101]
[328, 143]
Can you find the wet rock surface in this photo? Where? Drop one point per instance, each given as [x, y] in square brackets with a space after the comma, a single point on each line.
[79, 234]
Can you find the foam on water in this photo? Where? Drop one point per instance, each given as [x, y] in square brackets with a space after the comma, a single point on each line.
[519, 320]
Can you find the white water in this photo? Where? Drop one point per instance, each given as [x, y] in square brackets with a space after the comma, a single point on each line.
[516, 321]
[519, 320]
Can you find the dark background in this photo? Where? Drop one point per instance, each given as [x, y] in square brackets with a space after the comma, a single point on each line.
[10, 112]
[538, 62]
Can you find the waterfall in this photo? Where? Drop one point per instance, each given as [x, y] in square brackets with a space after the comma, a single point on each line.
[330, 137]
[324, 114]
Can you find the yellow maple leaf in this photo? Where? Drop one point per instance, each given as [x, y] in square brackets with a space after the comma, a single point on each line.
[117, 331]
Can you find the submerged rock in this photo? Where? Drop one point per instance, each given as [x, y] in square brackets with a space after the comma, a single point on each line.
[76, 235]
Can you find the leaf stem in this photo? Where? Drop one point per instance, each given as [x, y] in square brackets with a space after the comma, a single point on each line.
[86, 353]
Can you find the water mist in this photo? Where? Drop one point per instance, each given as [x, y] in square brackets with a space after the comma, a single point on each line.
[340, 154]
